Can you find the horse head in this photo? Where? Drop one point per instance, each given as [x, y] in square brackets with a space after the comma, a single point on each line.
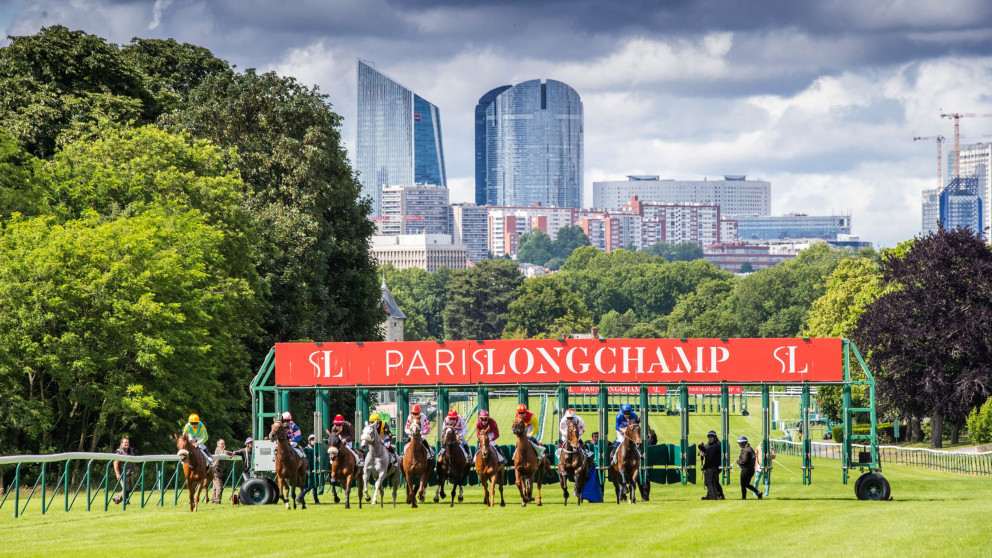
[333, 444]
[277, 434]
[633, 433]
[573, 433]
[519, 427]
[482, 437]
[183, 445]
[369, 435]
[415, 430]
[449, 436]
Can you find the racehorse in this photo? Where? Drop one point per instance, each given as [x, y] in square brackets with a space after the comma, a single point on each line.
[381, 462]
[528, 469]
[572, 463]
[489, 469]
[624, 470]
[415, 466]
[343, 466]
[452, 466]
[291, 469]
[198, 474]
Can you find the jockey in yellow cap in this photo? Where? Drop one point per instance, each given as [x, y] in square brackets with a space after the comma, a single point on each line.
[196, 431]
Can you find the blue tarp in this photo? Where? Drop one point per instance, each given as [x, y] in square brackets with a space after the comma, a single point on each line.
[593, 491]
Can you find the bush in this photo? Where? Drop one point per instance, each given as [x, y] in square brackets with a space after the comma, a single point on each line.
[980, 423]
[884, 430]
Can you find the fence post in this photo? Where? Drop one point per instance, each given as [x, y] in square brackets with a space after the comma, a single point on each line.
[645, 430]
[17, 490]
[725, 433]
[807, 443]
[684, 431]
[604, 432]
[766, 465]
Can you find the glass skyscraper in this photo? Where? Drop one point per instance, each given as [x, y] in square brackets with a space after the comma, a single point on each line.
[528, 145]
[961, 205]
[399, 137]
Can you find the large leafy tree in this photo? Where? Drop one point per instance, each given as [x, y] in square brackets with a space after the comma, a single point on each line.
[171, 69]
[58, 79]
[19, 190]
[109, 327]
[545, 307]
[317, 266]
[422, 296]
[479, 298]
[930, 338]
[536, 247]
[677, 252]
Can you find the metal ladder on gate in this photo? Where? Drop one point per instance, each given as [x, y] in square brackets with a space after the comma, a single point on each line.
[864, 459]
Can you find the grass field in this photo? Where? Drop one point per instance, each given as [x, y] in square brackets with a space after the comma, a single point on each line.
[932, 514]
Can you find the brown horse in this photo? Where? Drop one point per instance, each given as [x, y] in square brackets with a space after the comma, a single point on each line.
[416, 467]
[344, 467]
[489, 469]
[625, 468]
[452, 466]
[291, 469]
[572, 463]
[198, 474]
[528, 469]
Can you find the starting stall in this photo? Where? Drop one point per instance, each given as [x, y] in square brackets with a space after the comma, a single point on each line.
[658, 377]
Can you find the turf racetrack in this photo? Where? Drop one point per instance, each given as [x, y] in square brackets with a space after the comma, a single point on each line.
[933, 514]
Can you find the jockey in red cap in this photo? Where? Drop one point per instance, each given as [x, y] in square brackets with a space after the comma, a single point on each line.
[488, 424]
[425, 427]
[456, 423]
[344, 430]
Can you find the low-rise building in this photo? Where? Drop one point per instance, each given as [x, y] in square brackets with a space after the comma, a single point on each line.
[739, 257]
[424, 251]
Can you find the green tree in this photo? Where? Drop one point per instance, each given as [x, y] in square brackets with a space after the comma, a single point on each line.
[677, 252]
[422, 296]
[117, 326]
[535, 247]
[705, 312]
[19, 191]
[479, 298]
[544, 307]
[615, 324]
[980, 423]
[851, 288]
[58, 79]
[568, 239]
[172, 69]
[316, 261]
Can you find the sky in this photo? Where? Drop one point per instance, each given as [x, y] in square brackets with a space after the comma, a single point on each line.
[820, 98]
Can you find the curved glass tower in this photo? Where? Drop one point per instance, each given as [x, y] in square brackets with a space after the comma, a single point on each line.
[399, 137]
[529, 145]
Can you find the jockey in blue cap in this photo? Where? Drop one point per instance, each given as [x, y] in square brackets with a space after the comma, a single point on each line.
[625, 417]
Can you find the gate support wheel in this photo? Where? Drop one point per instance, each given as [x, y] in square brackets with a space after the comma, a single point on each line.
[872, 486]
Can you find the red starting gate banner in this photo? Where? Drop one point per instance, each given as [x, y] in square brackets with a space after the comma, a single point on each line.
[652, 390]
[546, 361]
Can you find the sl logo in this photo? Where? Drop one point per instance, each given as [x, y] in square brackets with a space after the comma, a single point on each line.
[786, 357]
[322, 363]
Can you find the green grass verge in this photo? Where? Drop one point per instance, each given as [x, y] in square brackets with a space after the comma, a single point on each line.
[933, 514]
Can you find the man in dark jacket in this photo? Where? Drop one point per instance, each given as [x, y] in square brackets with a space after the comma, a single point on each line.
[747, 461]
[711, 454]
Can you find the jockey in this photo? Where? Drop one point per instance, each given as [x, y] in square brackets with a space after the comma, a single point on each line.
[293, 432]
[381, 421]
[196, 431]
[525, 416]
[425, 427]
[344, 430]
[457, 423]
[492, 430]
[580, 425]
[625, 417]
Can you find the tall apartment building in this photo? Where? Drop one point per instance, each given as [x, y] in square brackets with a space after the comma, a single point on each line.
[931, 210]
[528, 145]
[470, 228]
[508, 224]
[425, 251]
[792, 226]
[735, 194]
[398, 136]
[675, 223]
[420, 209]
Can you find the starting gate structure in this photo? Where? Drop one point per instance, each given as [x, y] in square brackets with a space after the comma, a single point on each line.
[639, 368]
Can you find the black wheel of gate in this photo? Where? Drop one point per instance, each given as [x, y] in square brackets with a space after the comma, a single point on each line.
[274, 499]
[872, 486]
[256, 492]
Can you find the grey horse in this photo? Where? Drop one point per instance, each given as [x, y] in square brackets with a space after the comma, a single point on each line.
[380, 463]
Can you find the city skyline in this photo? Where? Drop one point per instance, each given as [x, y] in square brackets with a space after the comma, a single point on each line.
[821, 100]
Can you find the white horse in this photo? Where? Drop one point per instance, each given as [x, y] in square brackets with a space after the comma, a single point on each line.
[380, 463]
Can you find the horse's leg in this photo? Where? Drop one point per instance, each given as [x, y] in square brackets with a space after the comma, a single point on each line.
[439, 493]
[580, 483]
[347, 491]
[192, 493]
[423, 484]
[406, 477]
[540, 483]
[563, 480]
[499, 481]
[519, 478]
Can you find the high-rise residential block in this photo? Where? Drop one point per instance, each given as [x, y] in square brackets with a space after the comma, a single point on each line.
[529, 142]
[674, 223]
[931, 210]
[420, 209]
[508, 224]
[735, 194]
[399, 136]
[470, 227]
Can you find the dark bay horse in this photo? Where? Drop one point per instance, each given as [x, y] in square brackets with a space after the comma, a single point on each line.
[416, 467]
[489, 469]
[452, 466]
[624, 471]
[572, 463]
[291, 469]
[527, 467]
[198, 474]
[344, 469]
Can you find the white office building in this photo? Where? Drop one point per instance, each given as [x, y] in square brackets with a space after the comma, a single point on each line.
[425, 251]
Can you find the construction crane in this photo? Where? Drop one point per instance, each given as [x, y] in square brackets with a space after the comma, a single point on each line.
[940, 156]
[956, 117]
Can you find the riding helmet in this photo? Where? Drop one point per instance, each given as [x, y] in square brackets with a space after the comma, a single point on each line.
[522, 408]
[416, 409]
[626, 408]
[711, 433]
[338, 419]
[194, 418]
[742, 440]
[483, 414]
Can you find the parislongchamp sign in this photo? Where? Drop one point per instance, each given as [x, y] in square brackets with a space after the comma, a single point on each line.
[548, 361]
